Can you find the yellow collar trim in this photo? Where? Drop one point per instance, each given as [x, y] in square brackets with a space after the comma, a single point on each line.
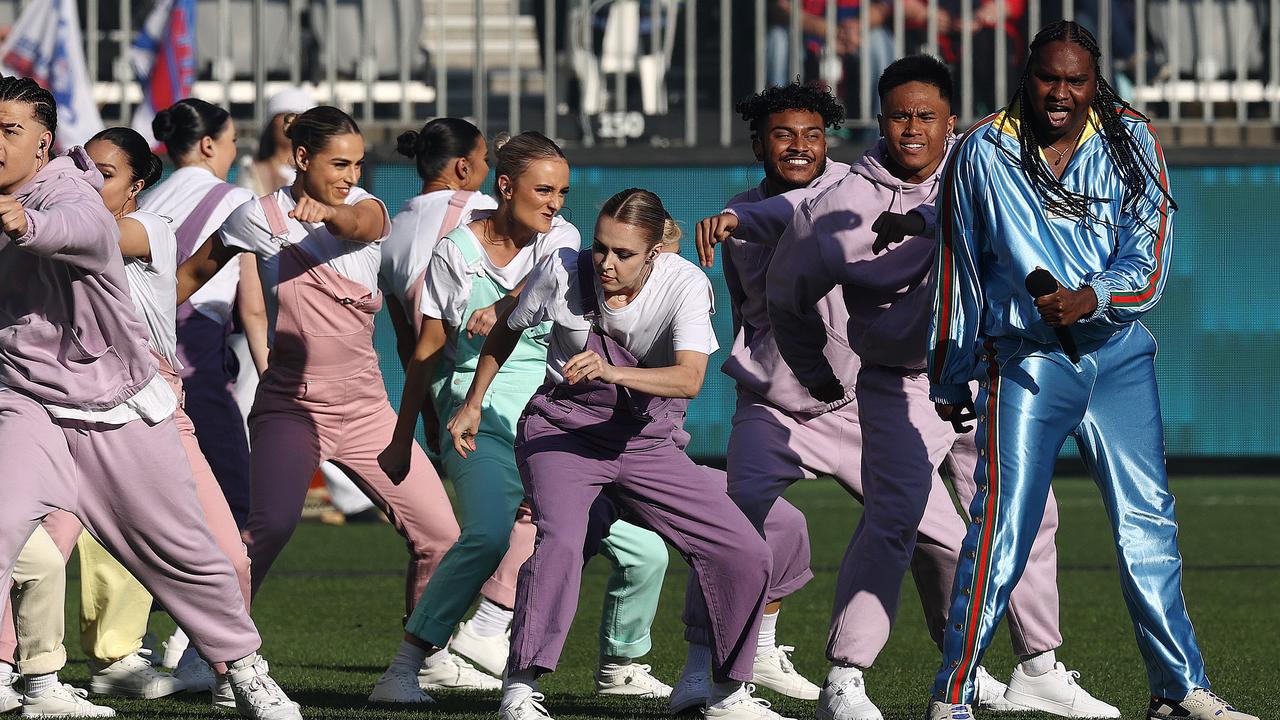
[1008, 121]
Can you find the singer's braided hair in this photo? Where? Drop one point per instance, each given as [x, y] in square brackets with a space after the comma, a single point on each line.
[1135, 169]
[16, 88]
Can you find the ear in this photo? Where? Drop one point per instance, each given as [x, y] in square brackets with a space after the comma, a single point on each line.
[951, 124]
[880, 124]
[135, 188]
[46, 143]
[301, 158]
[462, 168]
[757, 147]
[207, 146]
[505, 188]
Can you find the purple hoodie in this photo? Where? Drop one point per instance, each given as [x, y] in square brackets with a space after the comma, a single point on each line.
[889, 296]
[754, 362]
[69, 334]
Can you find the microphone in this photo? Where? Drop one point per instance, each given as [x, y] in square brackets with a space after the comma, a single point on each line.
[1039, 284]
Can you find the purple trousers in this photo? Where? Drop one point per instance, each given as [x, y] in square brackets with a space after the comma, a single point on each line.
[131, 487]
[567, 453]
[769, 449]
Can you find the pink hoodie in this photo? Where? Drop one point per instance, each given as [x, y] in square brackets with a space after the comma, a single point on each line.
[69, 334]
[754, 362]
[888, 296]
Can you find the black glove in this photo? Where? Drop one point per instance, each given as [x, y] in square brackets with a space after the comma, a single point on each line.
[827, 392]
[891, 228]
[963, 413]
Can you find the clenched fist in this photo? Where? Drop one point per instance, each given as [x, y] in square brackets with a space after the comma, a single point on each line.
[13, 217]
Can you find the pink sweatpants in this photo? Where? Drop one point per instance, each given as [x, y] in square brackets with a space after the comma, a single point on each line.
[769, 449]
[501, 586]
[131, 487]
[295, 425]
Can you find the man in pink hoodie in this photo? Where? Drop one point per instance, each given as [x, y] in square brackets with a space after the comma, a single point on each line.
[86, 423]
[867, 237]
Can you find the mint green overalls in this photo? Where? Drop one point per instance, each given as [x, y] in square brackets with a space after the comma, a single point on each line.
[488, 489]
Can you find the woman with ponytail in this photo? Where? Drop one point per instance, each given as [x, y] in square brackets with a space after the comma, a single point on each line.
[475, 273]
[322, 397]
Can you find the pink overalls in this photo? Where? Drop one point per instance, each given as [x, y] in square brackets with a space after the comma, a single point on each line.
[322, 398]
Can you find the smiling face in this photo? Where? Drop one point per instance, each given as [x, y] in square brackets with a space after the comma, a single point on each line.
[792, 144]
[21, 136]
[1061, 85]
[118, 186]
[915, 123]
[621, 256]
[535, 196]
[330, 173]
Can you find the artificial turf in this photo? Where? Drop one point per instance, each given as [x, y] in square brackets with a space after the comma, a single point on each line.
[330, 615]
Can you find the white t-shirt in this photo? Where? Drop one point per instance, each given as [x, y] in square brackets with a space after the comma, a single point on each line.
[247, 229]
[672, 312]
[153, 287]
[448, 281]
[176, 198]
[407, 250]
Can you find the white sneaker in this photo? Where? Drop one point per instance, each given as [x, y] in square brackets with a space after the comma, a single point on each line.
[691, 691]
[223, 698]
[134, 676]
[1056, 692]
[258, 697]
[1201, 704]
[454, 673]
[773, 669]
[9, 698]
[989, 693]
[399, 685]
[631, 679]
[527, 708]
[489, 653]
[174, 648]
[847, 700]
[946, 711]
[64, 701]
[195, 674]
[742, 706]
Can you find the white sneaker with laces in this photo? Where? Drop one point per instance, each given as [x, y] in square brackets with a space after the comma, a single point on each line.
[487, 652]
[9, 698]
[134, 676]
[64, 701]
[989, 693]
[527, 708]
[1056, 692]
[847, 700]
[633, 679]
[195, 674]
[454, 673]
[399, 685]
[258, 697]
[742, 706]
[691, 691]
[947, 711]
[773, 669]
[1201, 704]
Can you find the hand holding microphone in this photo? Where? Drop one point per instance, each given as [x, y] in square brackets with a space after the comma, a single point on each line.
[1060, 308]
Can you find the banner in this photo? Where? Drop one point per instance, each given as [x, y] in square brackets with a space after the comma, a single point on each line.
[164, 60]
[45, 45]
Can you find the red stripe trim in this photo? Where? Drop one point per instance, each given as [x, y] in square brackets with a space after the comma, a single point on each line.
[982, 563]
[1149, 290]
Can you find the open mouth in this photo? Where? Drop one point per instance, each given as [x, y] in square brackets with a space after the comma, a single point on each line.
[1057, 117]
[797, 161]
[343, 191]
[911, 147]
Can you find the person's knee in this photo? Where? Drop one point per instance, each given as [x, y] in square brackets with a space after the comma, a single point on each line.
[489, 540]
[647, 560]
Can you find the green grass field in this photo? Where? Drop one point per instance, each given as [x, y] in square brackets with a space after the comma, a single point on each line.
[330, 615]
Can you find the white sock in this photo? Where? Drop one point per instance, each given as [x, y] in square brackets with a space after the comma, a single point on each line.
[613, 663]
[409, 657]
[437, 657]
[698, 660]
[518, 686]
[841, 674]
[38, 684]
[1038, 664]
[768, 637]
[724, 694]
[490, 619]
[6, 668]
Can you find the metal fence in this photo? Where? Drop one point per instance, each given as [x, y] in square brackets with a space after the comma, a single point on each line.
[667, 72]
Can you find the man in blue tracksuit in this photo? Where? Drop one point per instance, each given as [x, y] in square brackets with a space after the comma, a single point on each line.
[1069, 179]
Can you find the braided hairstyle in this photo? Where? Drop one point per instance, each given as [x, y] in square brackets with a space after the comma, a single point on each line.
[1134, 167]
[25, 90]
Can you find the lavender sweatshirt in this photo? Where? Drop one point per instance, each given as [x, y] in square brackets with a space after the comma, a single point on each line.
[754, 362]
[69, 334]
[888, 296]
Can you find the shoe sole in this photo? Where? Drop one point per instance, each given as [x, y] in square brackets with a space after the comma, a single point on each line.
[98, 688]
[794, 694]
[1032, 702]
[631, 691]
[432, 687]
[824, 714]
[462, 653]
